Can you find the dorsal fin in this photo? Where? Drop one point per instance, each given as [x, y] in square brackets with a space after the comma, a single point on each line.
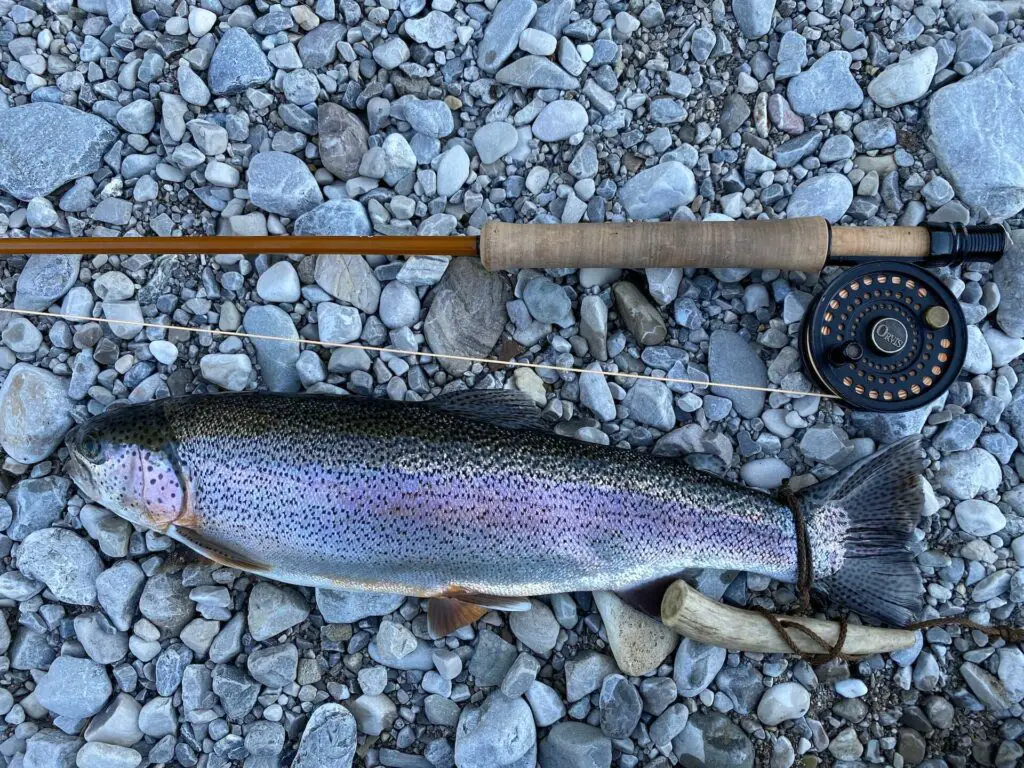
[508, 408]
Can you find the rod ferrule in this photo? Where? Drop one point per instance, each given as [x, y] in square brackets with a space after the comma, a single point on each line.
[953, 244]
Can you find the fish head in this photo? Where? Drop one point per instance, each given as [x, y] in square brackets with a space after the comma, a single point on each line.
[127, 461]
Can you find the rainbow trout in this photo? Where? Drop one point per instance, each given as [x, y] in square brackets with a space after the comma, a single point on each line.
[469, 500]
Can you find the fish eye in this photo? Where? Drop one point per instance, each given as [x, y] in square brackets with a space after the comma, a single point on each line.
[90, 448]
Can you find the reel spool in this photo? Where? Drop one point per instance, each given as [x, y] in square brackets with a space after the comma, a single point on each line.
[885, 336]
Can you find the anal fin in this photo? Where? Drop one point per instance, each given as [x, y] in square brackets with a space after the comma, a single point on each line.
[217, 552]
[448, 612]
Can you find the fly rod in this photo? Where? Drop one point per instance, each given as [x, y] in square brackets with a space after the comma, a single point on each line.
[804, 244]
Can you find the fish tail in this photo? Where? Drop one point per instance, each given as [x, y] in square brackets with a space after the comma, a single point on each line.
[881, 500]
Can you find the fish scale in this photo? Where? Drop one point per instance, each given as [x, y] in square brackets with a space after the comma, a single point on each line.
[438, 498]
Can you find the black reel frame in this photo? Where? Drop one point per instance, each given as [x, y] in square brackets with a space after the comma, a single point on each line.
[884, 336]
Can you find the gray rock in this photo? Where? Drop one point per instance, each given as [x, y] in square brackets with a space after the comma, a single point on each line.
[965, 474]
[1011, 672]
[491, 660]
[35, 413]
[650, 402]
[499, 732]
[585, 673]
[656, 191]
[575, 745]
[236, 691]
[343, 141]
[826, 444]
[733, 359]
[453, 170]
[436, 29]
[828, 195]
[536, 72]
[50, 748]
[36, 503]
[987, 688]
[319, 47]
[274, 609]
[620, 706]
[169, 667]
[30, 650]
[767, 473]
[493, 141]
[1009, 277]
[536, 628]
[100, 639]
[696, 665]
[166, 603]
[400, 160]
[44, 145]
[827, 86]
[783, 701]
[373, 714]
[237, 64]
[501, 36]
[836, 148]
[44, 280]
[907, 80]
[981, 163]
[973, 46]
[548, 302]
[754, 17]
[391, 53]
[338, 324]
[595, 393]
[338, 607]
[876, 134]
[329, 739]
[281, 183]
[712, 739]
[520, 676]
[230, 372]
[67, 564]
[74, 688]
[559, 120]
[98, 755]
[639, 316]
[431, 118]
[275, 666]
[117, 591]
[742, 684]
[959, 434]
[117, 724]
[276, 358]
[467, 313]
[280, 283]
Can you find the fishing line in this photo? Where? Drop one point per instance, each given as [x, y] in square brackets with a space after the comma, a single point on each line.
[408, 353]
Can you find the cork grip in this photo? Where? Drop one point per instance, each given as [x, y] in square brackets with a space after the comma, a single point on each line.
[800, 244]
[880, 242]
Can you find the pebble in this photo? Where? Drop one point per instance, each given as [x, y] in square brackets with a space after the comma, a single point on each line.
[328, 740]
[274, 609]
[696, 665]
[500, 731]
[731, 358]
[829, 195]
[494, 141]
[74, 688]
[656, 191]
[782, 702]
[66, 563]
[575, 745]
[237, 64]
[35, 413]
[535, 628]
[559, 120]
[338, 607]
[827, 86]
[905, 81]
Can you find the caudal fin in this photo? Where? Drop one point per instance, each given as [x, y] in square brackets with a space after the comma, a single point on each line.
[883, 499]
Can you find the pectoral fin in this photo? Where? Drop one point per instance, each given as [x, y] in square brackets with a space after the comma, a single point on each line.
[217, 552]
[447, 613]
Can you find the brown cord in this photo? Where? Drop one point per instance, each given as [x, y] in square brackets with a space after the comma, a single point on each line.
[805, 581]
[804, 557]
[1002, 632]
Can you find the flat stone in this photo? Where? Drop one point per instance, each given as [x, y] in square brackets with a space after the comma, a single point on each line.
[783, 701]
[436, 29]
[754, 17]
[230, 372]
[828, 195]
[620, 706]
[343, 140]
[499, 732]
[501, 35]
[453, 169]
[44, 280]
[349, 279]
[1009, 277]
[827, 86]
[467, 313]
[974, 134]
[559, 120]
[166, 603]
[74, 688]
[35, 413]
[491, 659]
[653, 192]
[733, 359]
[66, 563]
[575, 745]
[98, 755]
[274, 609]
[237, 64]
[429, 117]
[339, 607]
[236, 691]
[907, 80]
[493, 141]
[281, 183]
[966, 474]
[711, 738]
[45, 145]
[696, 665]
[536, 72]
[328, 740]
[276, 358]
[319, 47]
[585, 673]
[535, 628]
[49, 748]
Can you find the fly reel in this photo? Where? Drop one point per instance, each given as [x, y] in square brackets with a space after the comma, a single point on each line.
[885, 336]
